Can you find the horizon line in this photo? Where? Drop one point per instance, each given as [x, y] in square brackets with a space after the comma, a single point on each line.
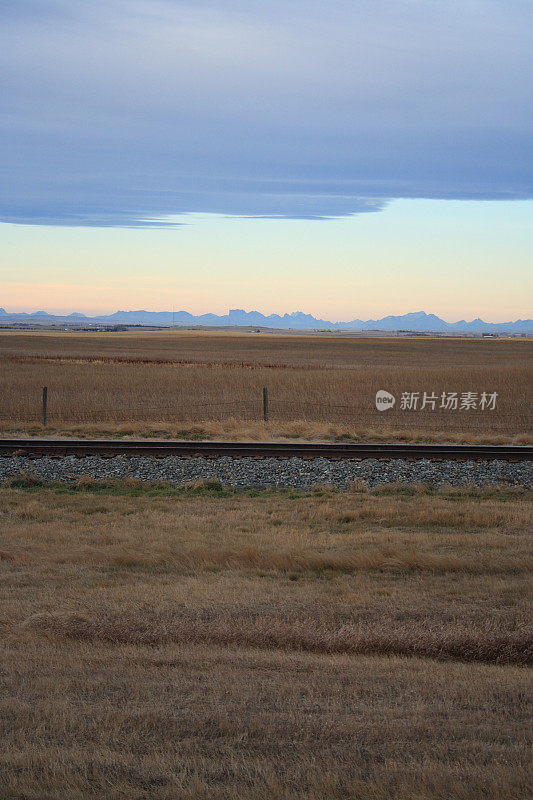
[283, 315]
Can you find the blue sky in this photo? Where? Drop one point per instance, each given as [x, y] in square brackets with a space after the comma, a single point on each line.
[130, 115]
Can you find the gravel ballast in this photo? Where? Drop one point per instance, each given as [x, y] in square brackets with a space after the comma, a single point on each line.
[270, 472]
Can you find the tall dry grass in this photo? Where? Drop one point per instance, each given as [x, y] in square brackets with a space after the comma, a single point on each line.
[186, 722]
[285, 646]
[170, 381]
[487, 643]
[424, 540]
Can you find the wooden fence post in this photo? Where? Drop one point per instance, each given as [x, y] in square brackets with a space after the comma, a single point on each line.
[265, 403]
[45, 404]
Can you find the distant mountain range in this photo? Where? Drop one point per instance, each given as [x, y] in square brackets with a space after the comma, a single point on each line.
[417, 321]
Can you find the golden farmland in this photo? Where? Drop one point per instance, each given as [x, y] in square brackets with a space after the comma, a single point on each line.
[203, 643]
[184, 383]
[186, 643]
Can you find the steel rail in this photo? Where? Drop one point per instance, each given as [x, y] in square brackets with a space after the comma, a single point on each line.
[36, 448]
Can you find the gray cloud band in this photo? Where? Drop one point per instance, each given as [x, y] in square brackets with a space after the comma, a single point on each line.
[121, 113]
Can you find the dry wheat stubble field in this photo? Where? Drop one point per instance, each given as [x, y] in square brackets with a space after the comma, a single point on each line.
[186, 383]
[205, 643]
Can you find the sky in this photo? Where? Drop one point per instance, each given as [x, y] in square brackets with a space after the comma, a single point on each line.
[349, 158]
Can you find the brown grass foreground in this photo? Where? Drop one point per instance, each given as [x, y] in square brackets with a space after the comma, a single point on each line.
[203, 643]
[210, 384]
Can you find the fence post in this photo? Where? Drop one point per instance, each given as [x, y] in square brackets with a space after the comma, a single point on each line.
[265, 403]
[45, 404]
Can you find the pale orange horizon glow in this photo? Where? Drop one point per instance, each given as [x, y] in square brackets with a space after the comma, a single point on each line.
[454, 259]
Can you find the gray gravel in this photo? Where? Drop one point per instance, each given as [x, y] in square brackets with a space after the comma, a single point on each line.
[271, 472]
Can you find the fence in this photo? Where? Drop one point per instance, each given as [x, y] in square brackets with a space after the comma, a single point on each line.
[302, 409]
[105, 403]
[176, 397]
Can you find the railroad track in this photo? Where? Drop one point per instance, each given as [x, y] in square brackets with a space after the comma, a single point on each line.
[37, 448]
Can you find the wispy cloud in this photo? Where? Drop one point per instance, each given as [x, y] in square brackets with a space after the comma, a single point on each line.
[127, 111]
